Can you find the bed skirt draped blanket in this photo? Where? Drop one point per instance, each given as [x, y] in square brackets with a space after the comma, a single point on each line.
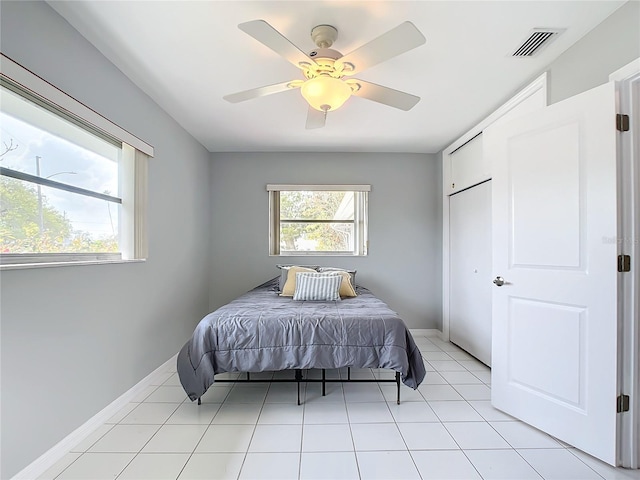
[262, 331]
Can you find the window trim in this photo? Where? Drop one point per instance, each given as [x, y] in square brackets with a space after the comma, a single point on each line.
[133, 171]
[15, 73]
[326, 188]
[360, 222]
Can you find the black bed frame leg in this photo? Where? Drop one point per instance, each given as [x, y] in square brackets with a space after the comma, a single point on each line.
[324, 377]
[298, 380]
[199, 401]
[398, 384]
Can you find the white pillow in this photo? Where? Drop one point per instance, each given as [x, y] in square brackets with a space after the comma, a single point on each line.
[318, 287]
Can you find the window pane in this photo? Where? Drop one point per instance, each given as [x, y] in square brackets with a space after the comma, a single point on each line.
[316, 205]
[316, 237]
[39, 142]
[39, 219]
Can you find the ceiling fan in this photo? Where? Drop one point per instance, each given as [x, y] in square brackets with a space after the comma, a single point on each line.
[328, 74]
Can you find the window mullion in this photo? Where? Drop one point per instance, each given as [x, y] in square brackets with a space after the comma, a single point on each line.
[7, 172]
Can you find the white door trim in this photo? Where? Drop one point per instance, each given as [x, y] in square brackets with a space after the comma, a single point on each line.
[628, 102]
[537, 85]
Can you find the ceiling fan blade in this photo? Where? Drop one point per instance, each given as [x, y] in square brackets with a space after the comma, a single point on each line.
[388, 96]
[315, 118]
[401, 39]
[270, 37]
[261, 91]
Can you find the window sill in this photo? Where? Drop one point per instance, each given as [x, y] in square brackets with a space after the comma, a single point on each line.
[319, 253]
[23, 266]
[315, 254]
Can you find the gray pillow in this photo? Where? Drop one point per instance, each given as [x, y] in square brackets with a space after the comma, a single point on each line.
[352, 273]
[284, 271]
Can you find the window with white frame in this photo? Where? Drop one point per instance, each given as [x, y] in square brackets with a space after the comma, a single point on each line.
[71, 189]
[318, 219]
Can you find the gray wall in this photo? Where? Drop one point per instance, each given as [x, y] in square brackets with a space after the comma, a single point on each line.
[76, 338]
[404, 263]
[611, 45]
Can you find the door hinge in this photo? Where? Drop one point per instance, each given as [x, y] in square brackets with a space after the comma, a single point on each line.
[622, 403]
[622, 122]
[624, 263]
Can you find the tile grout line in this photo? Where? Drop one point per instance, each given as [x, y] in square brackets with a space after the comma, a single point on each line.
[461, 450]
[304, 409]
[468, 403]
[485, 421]
[161, 425]
[152, 436]
[512, 447]
[100, 438]
[200, 441]
[570, 450]
[353, 442]
[255, 426]
[413, 460]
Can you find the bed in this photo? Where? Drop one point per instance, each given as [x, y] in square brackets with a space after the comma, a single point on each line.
[264, 331]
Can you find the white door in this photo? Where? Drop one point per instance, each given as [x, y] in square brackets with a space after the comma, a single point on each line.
[554, 228]
[470, 270]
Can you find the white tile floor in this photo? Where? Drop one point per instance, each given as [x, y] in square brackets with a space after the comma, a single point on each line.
[446, 429]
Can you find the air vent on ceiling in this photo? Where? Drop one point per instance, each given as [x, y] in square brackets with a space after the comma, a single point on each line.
[536, 41]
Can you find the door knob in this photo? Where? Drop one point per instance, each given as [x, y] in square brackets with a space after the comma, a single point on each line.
[499, 281]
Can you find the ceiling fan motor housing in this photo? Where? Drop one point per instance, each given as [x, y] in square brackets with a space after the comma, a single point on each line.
[323, 64]
[325, 53]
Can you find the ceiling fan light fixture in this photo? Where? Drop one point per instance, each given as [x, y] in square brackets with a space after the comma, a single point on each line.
[325, 93]
[324, 69]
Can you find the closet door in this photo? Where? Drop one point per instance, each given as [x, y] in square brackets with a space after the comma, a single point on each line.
[470, 271]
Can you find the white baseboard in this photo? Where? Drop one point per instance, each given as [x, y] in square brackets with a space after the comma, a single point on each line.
[426, 332]
[54, 454]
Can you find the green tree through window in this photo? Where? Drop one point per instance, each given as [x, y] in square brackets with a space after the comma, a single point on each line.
[313, 206]
[20, 224]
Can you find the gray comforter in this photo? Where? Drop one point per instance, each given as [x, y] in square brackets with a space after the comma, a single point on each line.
[261, 331]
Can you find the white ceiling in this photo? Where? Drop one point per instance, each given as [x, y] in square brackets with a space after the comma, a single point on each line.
[187, 55]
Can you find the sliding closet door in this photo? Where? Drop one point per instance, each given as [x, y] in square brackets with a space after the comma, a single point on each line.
[470, 270]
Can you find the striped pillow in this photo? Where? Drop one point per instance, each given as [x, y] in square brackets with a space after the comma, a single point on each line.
[318, 286]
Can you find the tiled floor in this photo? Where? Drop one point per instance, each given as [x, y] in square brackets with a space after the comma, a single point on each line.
[446, 429]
